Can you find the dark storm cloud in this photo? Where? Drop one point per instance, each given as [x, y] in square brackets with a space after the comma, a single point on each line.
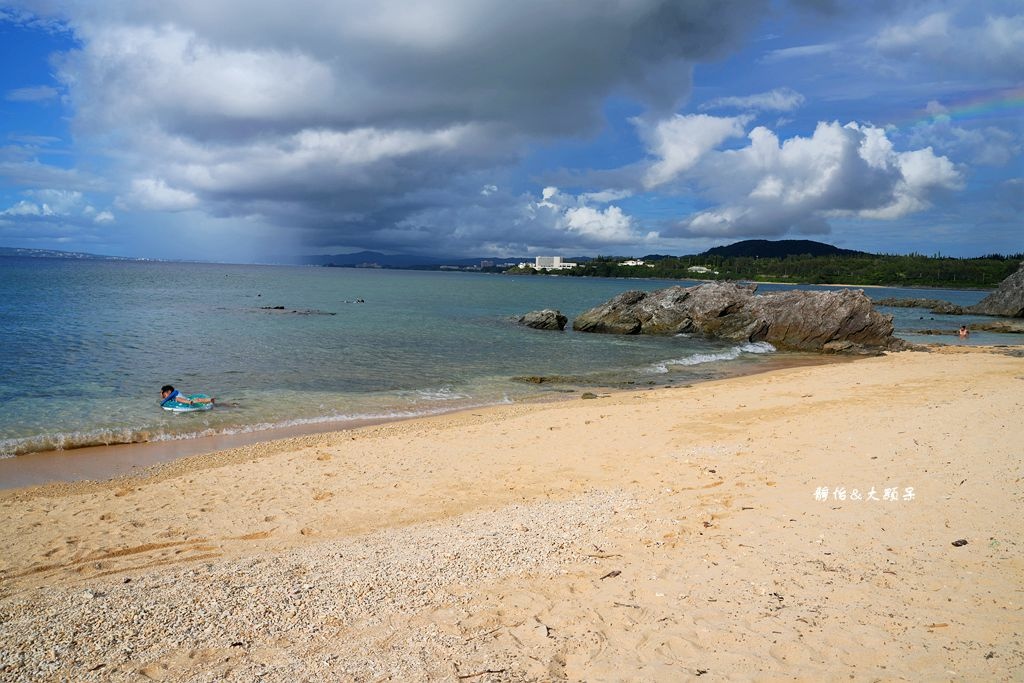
[330, 117]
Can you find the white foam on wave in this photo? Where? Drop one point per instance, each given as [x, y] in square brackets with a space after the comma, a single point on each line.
[108, 437]
[445, 393]
[728, 354]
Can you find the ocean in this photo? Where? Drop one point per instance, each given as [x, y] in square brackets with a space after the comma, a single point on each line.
[86, 345]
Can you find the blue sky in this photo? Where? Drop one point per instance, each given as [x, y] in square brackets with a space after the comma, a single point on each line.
[261, 130]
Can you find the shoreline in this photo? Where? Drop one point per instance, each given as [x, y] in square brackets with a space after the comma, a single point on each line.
[110, 461]
[743, 528]
[770, 282]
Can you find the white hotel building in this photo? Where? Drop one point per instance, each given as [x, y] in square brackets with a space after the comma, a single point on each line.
[549, 263]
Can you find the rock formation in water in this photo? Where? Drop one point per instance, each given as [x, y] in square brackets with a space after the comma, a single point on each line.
[934, 305]
[842, 321]
[548, 319]
[1007, 300]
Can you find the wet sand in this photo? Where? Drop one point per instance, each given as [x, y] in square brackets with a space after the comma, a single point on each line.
[118, 460]
[660, 535]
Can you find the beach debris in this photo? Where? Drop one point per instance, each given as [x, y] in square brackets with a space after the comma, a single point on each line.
[547, 319]
[960, 542]
[588, 395]
[610, 575]
[463, 677]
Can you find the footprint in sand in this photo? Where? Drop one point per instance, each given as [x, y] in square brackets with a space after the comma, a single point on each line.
[154, 672]
[320, 494]
[589, 647]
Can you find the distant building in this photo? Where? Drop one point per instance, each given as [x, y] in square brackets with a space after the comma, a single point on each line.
[701, 269]
[487, 264]
[636, 262]
[551, 263]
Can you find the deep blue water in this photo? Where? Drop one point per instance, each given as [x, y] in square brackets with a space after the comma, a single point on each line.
[86, 345]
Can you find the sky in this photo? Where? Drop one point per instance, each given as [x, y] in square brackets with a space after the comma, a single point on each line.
[257, 131]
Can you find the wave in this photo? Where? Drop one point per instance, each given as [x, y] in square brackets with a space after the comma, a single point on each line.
[125, 435]
[445, 393]
[728, 354]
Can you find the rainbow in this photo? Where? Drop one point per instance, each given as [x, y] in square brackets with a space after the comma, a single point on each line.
[978, 105]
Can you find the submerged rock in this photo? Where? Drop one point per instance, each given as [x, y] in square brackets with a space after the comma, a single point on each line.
[1007, 300]
[1000, 326]
[843, 321]
[546, 379]
[547, 319]
[300, 311]
[934, 305]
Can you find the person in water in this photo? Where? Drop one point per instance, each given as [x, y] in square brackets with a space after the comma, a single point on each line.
[169, 393]
[964, 333]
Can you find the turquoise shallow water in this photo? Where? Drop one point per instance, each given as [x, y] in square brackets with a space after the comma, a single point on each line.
[86, 346]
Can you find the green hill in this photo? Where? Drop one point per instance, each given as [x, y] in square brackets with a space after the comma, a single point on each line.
[779, 249]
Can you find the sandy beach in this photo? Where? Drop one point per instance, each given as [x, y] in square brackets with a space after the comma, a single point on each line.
[855, 521]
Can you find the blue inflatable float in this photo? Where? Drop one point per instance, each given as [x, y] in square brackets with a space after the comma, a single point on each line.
[178, 407]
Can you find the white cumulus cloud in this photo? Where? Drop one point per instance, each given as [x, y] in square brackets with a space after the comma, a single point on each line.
[609, 224]
[679, 142]
[56, 205]
[573, 214]
[26, 208]
[772, 186]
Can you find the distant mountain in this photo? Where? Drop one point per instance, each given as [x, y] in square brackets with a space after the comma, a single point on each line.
[779, 249]
[53, 253]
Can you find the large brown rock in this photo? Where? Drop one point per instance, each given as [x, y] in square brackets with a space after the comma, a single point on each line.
[666, 311]
[843, 321]
[1007, 300]
[812, 321]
